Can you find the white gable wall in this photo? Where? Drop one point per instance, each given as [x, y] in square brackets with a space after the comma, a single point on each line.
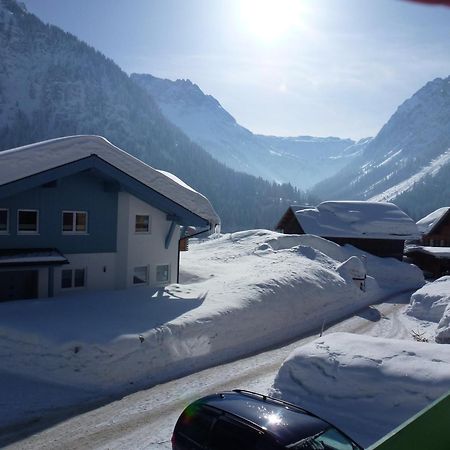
[100, 271]
[136, 249]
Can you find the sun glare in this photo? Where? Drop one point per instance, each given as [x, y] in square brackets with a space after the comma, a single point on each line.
[270, 19]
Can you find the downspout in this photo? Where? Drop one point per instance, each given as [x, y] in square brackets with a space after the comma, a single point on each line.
[51, 279]
[178, 264]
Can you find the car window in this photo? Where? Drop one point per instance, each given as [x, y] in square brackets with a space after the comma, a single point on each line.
[334, 440]
[195, 423]
[228, 434]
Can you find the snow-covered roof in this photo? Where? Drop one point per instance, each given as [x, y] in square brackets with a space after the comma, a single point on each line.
[437, 252]
[23, 162]
[357, 219]
[426, 224]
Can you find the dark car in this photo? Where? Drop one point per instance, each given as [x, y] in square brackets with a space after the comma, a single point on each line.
[244, 420]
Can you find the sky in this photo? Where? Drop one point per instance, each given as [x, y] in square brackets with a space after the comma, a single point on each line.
[280, 67]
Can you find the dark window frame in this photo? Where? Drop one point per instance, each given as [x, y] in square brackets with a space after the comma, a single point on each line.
[74, 215]
[135, 277]
[158, 266]
[6, 230]
[73, 278]
[138, 224]
[19, 231]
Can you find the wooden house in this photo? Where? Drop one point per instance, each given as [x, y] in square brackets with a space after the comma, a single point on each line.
[435, 228]
[433, 253]
[374, 227]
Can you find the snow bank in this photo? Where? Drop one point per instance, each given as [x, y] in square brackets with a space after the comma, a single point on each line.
[240, 293]
[430, 302]
[443, 330]
[366, 386]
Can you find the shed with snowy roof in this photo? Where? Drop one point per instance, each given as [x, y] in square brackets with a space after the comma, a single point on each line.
[435, 228]
[433, 255]
[377, 228]
[434, 261]
[79, 213]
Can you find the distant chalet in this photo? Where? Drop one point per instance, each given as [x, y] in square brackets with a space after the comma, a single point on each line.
[374, 227]
[432, 254]
[78, 213]
[435, 228]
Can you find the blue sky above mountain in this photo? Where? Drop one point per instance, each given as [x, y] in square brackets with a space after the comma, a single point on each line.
[302, 67]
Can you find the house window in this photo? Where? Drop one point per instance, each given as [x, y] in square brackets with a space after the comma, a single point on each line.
[142, 223]
[4, 227]
[73, 278]
[140, 275]
[162, 273]
[27, 221]
[74, 221]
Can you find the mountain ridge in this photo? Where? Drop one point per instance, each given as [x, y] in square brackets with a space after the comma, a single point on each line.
[299, 160]
[409, 150]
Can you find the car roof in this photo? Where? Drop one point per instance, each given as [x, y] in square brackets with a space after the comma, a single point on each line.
[285, 422]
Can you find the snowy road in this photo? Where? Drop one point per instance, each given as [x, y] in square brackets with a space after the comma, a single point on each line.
[145, 419]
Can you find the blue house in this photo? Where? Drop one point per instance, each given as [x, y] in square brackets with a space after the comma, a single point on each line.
[79, 213]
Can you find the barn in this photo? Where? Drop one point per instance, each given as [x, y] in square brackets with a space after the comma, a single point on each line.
[375, 227]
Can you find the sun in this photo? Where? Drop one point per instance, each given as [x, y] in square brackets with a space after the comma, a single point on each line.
[270, 19]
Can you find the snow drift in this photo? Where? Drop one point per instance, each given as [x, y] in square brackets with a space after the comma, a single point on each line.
[429, 302]
[432, 303]
[366, 386]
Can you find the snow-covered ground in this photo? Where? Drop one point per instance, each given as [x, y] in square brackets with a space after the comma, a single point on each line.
[239, 294]
[145, 419]
[366, 386]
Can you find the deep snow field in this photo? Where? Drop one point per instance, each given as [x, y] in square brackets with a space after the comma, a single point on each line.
[238, 293]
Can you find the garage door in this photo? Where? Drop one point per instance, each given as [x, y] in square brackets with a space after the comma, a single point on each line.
[20, 284]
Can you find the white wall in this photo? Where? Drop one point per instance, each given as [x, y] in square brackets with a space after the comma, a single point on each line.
[100, 271]
[143, 249]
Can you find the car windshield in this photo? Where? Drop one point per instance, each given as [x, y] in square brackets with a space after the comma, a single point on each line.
[330, 439]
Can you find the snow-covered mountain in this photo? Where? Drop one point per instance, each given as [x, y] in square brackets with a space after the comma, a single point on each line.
[408, 162]
[301, 161]
[52, 85]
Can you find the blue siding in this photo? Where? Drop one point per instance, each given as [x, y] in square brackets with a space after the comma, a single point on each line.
[182, 215]
[84, 191]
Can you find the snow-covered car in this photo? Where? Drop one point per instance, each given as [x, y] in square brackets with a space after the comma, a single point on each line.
[244, 420]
